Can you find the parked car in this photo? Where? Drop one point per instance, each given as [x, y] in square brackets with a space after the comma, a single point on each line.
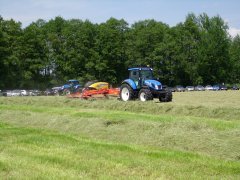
[24, 93]
[199, 88]
[179, 88]
[51, 92]
[223, 87]
[235, 87]
[189, 88]
[216, 87]
[173, 89]
[34, 93]
[16, 93]
[208, 88]
[57, 90]
[7, 93]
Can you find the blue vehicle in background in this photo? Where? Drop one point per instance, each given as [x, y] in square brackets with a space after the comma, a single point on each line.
[71, 87]
[218, 87]
[141, 84]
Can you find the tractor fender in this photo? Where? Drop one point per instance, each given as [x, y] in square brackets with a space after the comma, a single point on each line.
[131, 83]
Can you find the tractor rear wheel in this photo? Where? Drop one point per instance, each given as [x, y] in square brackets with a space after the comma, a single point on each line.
[145, 95]
[167, 97]
[126, 92]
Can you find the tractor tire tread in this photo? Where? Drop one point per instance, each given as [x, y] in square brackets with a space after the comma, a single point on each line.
[167, 97]
[148, 93]
[131, 92]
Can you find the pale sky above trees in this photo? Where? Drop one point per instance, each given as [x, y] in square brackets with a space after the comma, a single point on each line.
[170, 12]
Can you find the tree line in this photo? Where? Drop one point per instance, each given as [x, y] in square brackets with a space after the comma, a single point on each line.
[48, 53]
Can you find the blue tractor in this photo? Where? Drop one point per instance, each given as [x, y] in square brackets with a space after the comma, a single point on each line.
[71, 87]
[141, 84]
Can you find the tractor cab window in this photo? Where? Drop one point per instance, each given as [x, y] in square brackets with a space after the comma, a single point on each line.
[146, 74]
[73, 83]
[134, 75]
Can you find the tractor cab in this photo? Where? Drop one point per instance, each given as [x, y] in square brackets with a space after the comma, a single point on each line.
[142, 84]
[73, 82]
[143, 77]
[139, 75]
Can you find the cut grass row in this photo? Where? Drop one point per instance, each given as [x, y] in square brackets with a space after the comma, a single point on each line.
[214, 137]
[33, 153]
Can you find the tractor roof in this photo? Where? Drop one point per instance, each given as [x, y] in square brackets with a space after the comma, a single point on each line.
[140, 68]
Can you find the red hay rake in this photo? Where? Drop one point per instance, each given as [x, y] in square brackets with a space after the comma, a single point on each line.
[93, 93]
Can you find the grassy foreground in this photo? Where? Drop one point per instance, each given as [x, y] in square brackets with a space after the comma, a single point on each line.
[195, 136]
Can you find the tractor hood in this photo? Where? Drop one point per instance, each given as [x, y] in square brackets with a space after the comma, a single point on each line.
[153, 84]
[65, 86]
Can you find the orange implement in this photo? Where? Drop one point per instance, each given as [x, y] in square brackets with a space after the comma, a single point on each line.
[93, 93]
[114, 92]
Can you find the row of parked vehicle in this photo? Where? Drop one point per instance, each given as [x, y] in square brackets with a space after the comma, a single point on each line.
[71, 85]
[60, 90]
[17, 92]
[216, 87]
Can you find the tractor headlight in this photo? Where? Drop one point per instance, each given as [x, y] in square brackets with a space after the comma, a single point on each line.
[156, 86]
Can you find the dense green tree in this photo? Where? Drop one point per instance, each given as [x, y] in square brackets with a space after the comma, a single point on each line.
[178, 54]
[196, 51]
[10, 38]
[165, 58]
[187, 38]
[78, 48]
[143, 38]
[214, 50]
[34, 58]
[111, 46]
[235, 60]
[3, 53]
[55, 41]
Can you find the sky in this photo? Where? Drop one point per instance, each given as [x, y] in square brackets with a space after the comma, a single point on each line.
[170, 12]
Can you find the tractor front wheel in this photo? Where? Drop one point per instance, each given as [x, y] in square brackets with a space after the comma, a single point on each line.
[145, 95]
[167, 97]
[126, 92]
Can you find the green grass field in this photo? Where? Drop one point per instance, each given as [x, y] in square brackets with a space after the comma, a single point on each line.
[197, 136]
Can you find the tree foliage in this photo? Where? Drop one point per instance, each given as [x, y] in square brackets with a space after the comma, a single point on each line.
[43, 54]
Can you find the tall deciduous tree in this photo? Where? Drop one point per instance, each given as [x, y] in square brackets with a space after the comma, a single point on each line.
[111, 46]
[144, 37]
[187, 37]
[213, 53]
[235, 60]
[34, 58]
[10, 38]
